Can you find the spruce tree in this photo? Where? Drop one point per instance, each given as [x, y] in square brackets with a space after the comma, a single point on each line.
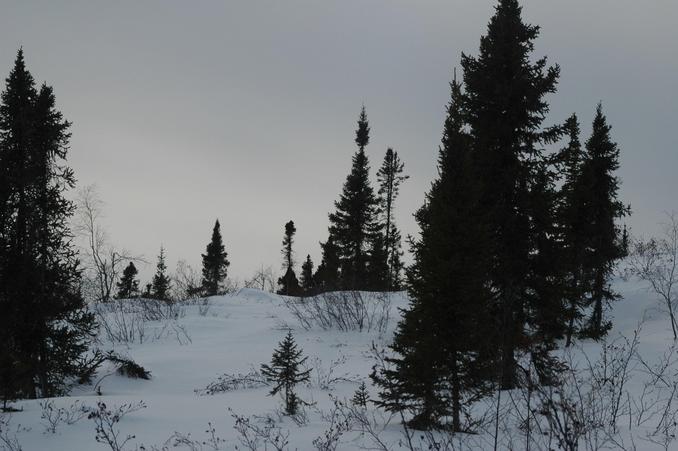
[326, 276]
[442, 354]
[160, 288]
[45, 327]
[395, 263]
[307, 282]
[377, 271]
[573, 222]
[128, 285]
[546, 309]
[361, 396]
[354, 222]
[214, 263]
[285, 372]
[505, 108]
[604, 238]
[289, 284]
[390, 177]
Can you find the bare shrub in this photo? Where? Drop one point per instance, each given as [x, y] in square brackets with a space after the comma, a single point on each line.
[179, 440]
[121, 321]
[340, 421]
[187, 284]
[53, 416]
[585, 405]
[231, 382]
[106, 420]
[344, 416]
[263, 279]
[343, 310]
[591, 404]
[656, 262]
[8, 438]
[326, 377]
[129, 321]
[254, 432]
[103, 261]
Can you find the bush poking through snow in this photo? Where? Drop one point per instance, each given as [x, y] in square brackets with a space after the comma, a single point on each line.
[343, 310]
[231, 382]
[185, 441]
[106, 419]
[656, 262]
[8, 439]
[53, 416]
[129, 321]
[129, 368]
[253, 434]
[325, 378]
[345, 416]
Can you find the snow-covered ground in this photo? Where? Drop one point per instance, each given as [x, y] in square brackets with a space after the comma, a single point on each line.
[238, 333]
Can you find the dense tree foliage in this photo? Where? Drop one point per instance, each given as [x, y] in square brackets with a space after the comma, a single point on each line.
[285, 372]
[354, 223]
[128, 285]
[441, 358]
[289, 284]
[44, 326]
[214, 263]
[516, 243]
[390, 177]
[160, 287]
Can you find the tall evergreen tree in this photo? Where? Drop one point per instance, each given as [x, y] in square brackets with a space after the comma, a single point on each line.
[604, 237]
[214, 263]
[573, 222]
[307, 282]
[326, 276]
[289, 284]
[354, 222]
[45, 327]
[377, 271]
[442, 356]
[390, 177]
[160, 288]
[395, 262]
[128, 285]
[505, 108]
[547, 282]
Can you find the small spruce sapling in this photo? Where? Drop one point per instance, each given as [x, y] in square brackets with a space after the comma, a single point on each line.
[361, 396]
[284, 372]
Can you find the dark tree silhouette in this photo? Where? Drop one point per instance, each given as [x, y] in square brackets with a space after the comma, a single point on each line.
[289, 284]
[354, 222]
[128, 285]
[214, 263]
[160, 288]
[285, 372]
[44, 325]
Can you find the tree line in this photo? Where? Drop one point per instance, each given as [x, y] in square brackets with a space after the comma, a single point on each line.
[515, 253]
[517, 244]
[363, 250]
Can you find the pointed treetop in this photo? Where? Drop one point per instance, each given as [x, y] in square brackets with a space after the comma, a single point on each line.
[600, 120]
[362, 135]
[216, 231]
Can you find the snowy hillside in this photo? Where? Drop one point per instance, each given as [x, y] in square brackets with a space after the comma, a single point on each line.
[237, 333]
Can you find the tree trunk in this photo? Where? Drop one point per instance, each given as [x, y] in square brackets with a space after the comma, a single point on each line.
[596, 324]
[456, 395]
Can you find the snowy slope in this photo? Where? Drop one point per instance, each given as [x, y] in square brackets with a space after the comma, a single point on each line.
[238, 333]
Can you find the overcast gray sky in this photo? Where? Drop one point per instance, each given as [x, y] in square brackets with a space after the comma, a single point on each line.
[245, 110]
